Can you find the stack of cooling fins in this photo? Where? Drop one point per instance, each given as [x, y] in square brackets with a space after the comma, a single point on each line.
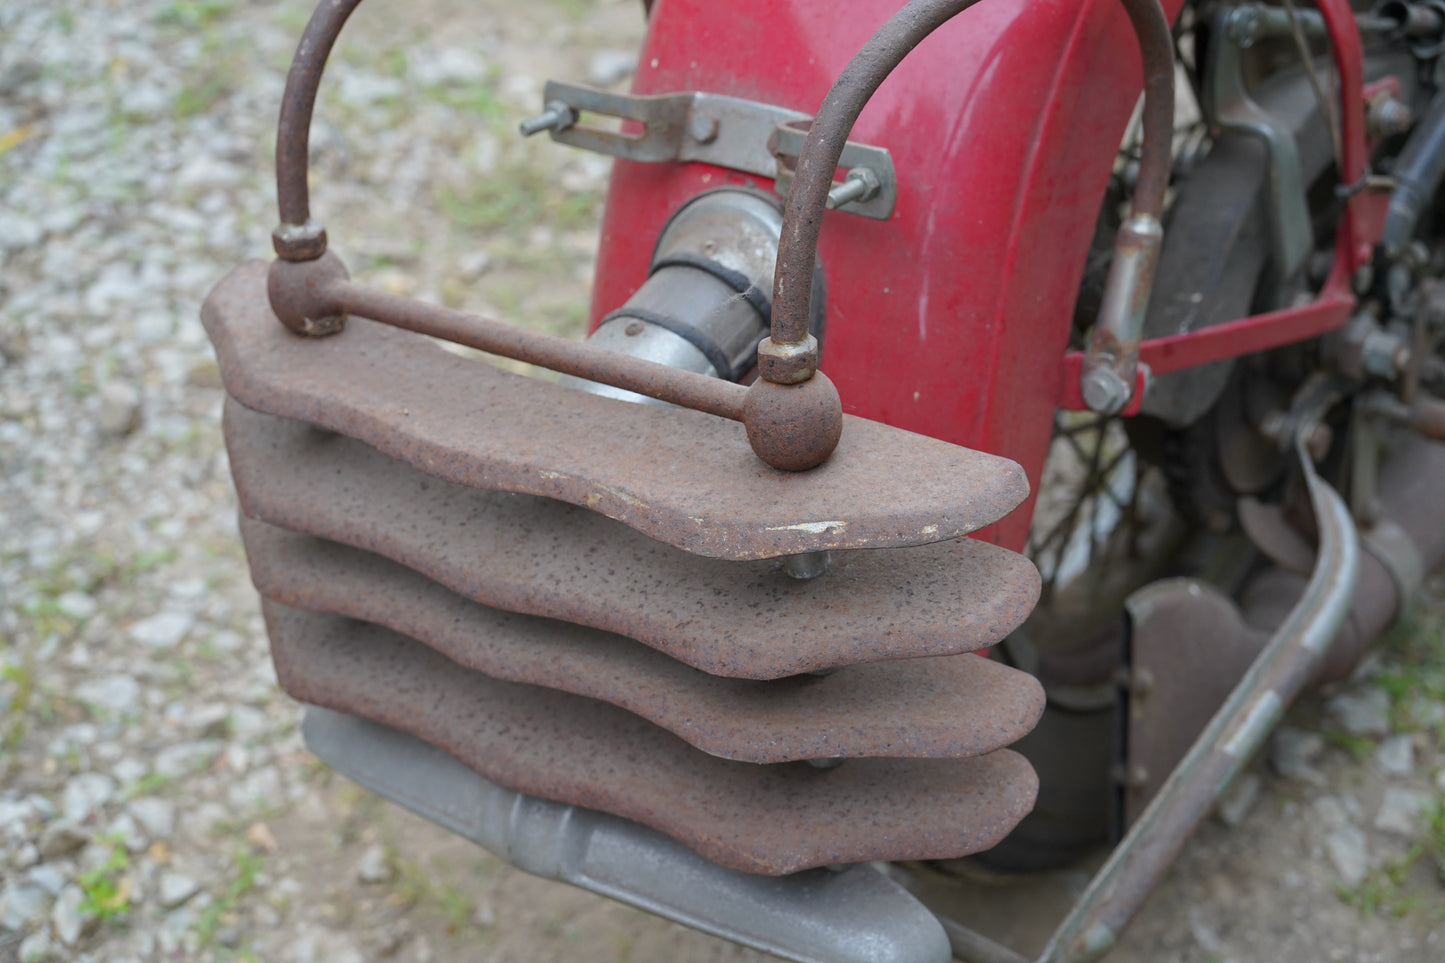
[432, 541]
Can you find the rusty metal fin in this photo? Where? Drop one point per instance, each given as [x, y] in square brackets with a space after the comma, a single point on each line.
[683, 477]
[773, 820]
[947, 707]
[544, 557]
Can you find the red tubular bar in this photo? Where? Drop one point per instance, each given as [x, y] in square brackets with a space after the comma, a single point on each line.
[1358, 232]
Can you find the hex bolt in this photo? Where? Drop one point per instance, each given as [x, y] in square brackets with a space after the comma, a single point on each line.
[860, 185]
[1103, 390]
[556, 116]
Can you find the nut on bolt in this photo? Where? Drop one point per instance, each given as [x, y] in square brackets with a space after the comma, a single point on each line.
[788, 362]
[1104, 390]
[860, 185]
[299, 242]
[555, 116]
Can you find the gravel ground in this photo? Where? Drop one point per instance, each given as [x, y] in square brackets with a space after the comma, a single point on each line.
[155, 801]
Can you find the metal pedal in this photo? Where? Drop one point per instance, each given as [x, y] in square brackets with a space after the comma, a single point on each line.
[772, 820]
[947, 707]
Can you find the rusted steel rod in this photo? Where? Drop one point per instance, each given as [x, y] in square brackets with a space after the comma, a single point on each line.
[818, 160]
[686, 388]
[296, 238]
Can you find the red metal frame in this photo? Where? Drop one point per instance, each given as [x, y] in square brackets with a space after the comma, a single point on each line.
[1003, 127]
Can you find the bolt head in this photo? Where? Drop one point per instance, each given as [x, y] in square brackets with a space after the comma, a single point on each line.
[702, 128]
[1104, 391]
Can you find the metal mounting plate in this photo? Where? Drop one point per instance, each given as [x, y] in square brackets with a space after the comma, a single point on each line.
[758, 819]
[952, 706]
[741, 135]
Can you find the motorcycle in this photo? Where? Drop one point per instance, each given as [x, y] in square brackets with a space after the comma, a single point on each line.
[1152, 427]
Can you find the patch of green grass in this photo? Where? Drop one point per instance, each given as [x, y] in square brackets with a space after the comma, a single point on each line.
[193, 14]
[516, 199]
[1359, 747]
[150, 784]
[474, 98]
[1383, 891]
[21, 677]
[246, 865]
[107, 888]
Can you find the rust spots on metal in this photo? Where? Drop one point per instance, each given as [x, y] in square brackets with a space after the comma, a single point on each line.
[948, 707]
[760, 819]
[794, 426]
[544, 557]
[679, 476]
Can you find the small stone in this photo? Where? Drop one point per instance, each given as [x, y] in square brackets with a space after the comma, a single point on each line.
[1440, 780]
[1292, 752]
[49, 878]
[77, 605]
[175, 889]
[473, 265]
[155, 815]
[1346, 849]
[184, 758]
[484, 916]
[260, 836]
[1238, 799]
[84, 794]
[210, 722]
[164, 630]
[61, 838]
[118, 409]
[124, 828]
[115, 694]
[1396, 755]
[450, 65]
[21, 904]
[1400, 811]
[26, 856]
[36, 948]
[1362, 712]
[374, 866]
[607, 67]
[69, 922]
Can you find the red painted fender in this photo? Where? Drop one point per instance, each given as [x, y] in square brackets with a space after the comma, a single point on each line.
[952, 318]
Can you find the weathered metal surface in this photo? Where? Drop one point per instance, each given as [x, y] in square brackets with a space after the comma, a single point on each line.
[679, 476]
[759, 819]
[1189, 646]
[854, 915]
[953, 706]
[544, 557]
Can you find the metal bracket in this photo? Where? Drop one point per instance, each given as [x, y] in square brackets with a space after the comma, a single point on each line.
[741, 135]
[1228, 104]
